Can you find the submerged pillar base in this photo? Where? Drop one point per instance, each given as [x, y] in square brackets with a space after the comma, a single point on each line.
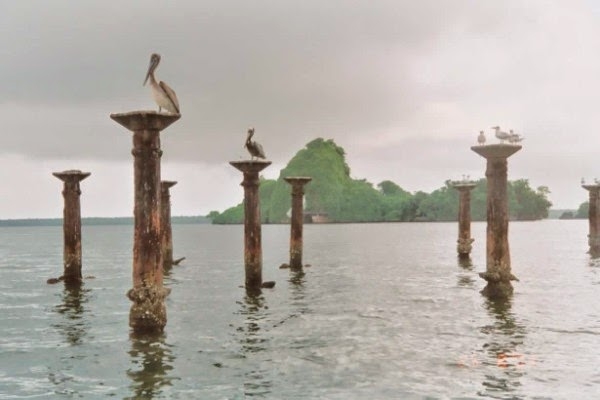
[148, 312]
[498, 283]
[594, 243]
[464, 247]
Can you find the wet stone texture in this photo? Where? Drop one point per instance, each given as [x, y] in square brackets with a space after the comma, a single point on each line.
[165, 220]
[252, 223]
[148, 312]
[594, 218]
[297, 219]
[498, 269]
[464, 242]
[72, 225]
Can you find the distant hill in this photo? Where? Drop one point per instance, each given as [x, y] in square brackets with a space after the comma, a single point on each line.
[333, 193]
[90, 221]
[557, 213]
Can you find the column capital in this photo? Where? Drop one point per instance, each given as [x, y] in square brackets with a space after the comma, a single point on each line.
[145, 120]
[72, 175]
[498, 150]
[250, 166]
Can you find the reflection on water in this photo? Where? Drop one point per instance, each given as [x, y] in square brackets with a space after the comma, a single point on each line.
[253, 342]
[505, 336]
[466, 279]
[74, 327]
[152, 360]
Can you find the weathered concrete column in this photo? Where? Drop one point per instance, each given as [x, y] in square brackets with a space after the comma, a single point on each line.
[297, 219]
[465, 241]
[72, 224]
[252, 224]
[498, 274]
[148, 312]
[165, 221]
[594, 218]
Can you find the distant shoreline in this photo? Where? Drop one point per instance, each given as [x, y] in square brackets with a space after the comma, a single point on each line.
[90, 221]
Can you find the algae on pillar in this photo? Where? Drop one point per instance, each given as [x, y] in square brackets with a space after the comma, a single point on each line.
[465, 241]
[594, 218]
[148, 312]
[498, 272]
[297, 219]
[72, 224]
[252, 223]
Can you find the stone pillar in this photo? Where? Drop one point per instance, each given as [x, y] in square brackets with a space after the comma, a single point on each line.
[252, 224]
[594, 218]
[148, 312]
[465, 241]
[498, 274]
[165, 221]
[72, 224]
[297, 219]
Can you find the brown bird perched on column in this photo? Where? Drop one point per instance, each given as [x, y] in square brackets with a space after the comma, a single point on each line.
[254, 148]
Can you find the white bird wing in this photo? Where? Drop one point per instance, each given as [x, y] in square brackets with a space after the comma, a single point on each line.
[171, 94]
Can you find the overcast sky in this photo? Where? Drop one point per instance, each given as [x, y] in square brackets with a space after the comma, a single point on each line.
[403, 86]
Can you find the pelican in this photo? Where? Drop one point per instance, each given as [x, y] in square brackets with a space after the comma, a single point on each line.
[163, 95]
[500, 135]
[254, 148]
[481, 138]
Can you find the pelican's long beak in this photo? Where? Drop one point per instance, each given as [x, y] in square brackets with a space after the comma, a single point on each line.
[151, 68]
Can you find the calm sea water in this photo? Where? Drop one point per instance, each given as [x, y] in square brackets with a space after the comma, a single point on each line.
[385, 312]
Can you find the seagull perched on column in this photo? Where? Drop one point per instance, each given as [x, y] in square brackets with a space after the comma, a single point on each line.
[500, 134]
[514, 137]
[481, 138]
[254, 148]
[163, 95]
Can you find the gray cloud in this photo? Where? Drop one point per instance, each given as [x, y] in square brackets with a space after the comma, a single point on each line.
[400, 84]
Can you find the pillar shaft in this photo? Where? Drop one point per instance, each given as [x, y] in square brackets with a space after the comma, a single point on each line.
[165, 220]
[464, 241]
[72, 224]
[594, 218]
[252, 223]
[297, 219]
[498, 269]
[148, 312]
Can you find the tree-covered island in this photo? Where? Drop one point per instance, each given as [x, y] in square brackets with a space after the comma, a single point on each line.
[334, 194]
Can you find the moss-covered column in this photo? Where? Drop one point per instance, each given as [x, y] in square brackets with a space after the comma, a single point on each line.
[498, 272]
[72, 224]
[148, 312]
[297, 219]
[465, 241]
[165, 221]
[252, 223]
[594, 218]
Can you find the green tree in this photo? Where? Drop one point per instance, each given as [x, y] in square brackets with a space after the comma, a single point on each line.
[583, 210]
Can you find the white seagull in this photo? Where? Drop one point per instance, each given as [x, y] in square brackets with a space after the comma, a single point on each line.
[500, 134]
[163, 95]
[481, 138]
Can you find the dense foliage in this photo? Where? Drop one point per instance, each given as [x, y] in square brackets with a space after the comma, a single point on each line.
[343, 199]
